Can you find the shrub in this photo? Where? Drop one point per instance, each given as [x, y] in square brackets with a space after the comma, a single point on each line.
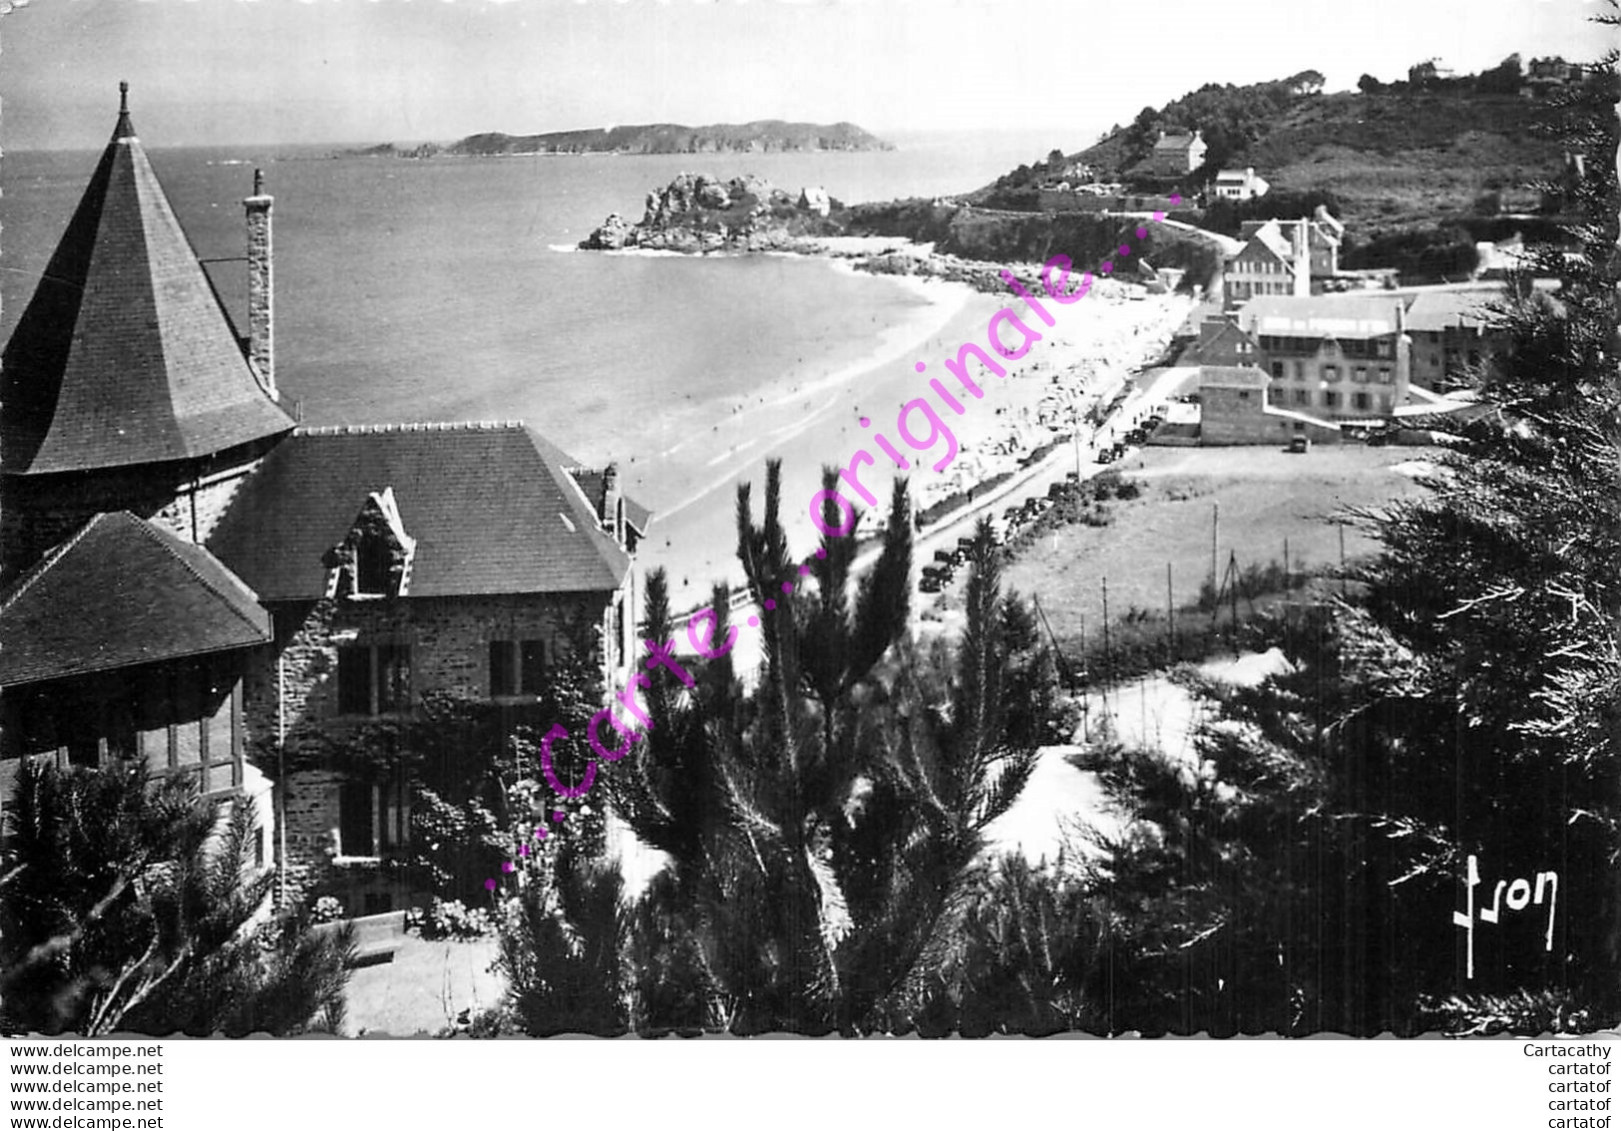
[327, 909]
[450, 919]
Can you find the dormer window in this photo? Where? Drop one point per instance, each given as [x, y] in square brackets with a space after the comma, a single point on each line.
[374, 561]
[372, 566]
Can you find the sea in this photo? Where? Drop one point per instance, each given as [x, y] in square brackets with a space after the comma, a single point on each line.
[449, 289]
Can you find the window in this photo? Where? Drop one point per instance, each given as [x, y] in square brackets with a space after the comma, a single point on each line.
[531, 666]
[393, 678]
[503, 673]
[1303, 396]
[354, 681]
[1300, 370]
[1243, 394]
[372, 566]
[374, 679]
[1277, 369]
[1384, 375]
[373, 817]
[1360, 375]
[517, 667]
[1331, 400]
[1381, 348]
[1331, 373]
[1360, 400]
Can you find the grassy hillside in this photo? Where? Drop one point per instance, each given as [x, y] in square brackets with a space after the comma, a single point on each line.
[1408, 159]
[1396, 158]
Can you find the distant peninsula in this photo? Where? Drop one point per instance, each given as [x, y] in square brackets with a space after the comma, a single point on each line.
[750, 137]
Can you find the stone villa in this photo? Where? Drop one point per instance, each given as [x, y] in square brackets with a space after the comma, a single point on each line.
[190, 578]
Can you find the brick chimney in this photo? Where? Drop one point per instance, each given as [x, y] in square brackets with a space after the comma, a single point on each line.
[261, 286]
[613, 504]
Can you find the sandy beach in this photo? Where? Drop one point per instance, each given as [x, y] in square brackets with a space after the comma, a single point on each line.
[813, 419]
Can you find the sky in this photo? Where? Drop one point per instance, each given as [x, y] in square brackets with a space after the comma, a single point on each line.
[220, 72]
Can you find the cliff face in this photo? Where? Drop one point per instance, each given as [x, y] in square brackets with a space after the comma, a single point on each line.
[749, 137]
[696, 213]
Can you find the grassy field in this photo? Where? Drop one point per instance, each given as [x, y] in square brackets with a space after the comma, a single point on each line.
[1265, 496]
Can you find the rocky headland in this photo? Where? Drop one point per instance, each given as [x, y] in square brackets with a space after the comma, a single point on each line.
[696, 214]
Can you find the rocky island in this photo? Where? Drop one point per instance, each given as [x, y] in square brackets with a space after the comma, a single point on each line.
[771, 136]
[696, 213]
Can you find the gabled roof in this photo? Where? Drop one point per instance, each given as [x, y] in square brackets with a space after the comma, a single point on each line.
[1338, 316]
[124, 355]
[122, 591]
[1171, 143]
[493, 509]
[1270, 236]
[1232, 377]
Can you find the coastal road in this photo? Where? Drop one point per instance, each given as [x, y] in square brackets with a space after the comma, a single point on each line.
[1228, 246]
[1150, 390]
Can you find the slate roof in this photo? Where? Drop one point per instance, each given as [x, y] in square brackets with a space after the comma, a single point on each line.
[492, 506]
[1338, 316]
[1433, 311]
[1232, 377]
[124, 355]
[1270, 236]
[1172, 143]
[122, 591]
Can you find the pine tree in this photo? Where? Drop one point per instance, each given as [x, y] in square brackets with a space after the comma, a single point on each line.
[823, 829]
[1303, 874]
[129, 904]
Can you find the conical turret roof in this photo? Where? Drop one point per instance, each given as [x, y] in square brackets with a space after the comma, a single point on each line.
[124, 355]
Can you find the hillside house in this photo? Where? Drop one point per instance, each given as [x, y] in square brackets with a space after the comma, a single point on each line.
[191, 580]
[1240, 184]
[399, 560]
[1544, 77]
[1283, 257]
[1340, 357]
[1177, 155]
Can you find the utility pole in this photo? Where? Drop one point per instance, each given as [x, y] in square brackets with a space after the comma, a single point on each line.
[1108, 656]
[1170, 619]
[1342, 559]
[1086, 685]
[1231, 581]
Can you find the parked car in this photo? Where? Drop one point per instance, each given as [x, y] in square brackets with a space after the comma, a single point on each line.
[1299, 445]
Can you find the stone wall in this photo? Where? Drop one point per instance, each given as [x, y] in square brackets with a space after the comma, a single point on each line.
[38, 512]
[295, 683]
